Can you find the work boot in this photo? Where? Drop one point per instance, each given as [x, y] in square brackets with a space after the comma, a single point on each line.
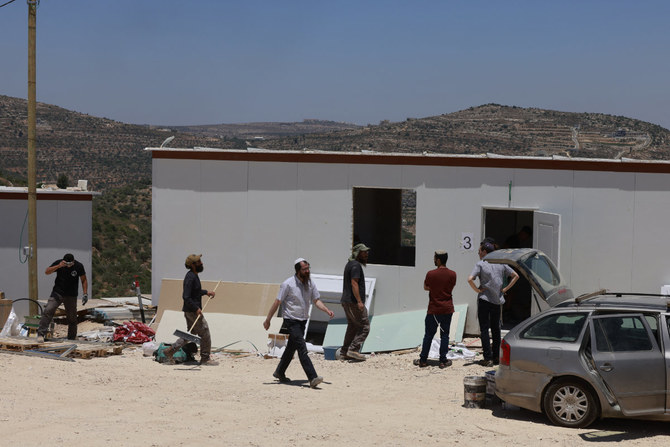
[207, 361]
[419, 363]
[356, 356]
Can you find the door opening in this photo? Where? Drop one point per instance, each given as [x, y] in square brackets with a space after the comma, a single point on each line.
[509, 228]
[514, 228]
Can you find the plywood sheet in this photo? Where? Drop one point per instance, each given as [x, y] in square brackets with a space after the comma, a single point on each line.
[235, 331]
[231, 297]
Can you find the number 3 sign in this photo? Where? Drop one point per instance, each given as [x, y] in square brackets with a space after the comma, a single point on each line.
[467, 242]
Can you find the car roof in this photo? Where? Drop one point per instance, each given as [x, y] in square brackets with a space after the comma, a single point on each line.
[618, 300]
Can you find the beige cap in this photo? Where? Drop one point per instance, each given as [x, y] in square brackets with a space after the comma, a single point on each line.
[191, 259]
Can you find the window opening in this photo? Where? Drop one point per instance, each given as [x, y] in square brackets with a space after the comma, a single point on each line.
[385, 220]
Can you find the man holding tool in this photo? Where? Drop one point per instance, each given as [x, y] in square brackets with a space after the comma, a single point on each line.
[296, 293]
[192, 308]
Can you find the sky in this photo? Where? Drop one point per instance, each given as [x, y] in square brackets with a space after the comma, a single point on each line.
[195, 62]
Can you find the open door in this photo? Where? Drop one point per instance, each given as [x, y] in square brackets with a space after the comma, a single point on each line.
[546, 234]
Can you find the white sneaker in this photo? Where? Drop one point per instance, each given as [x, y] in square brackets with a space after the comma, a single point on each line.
[315, 381]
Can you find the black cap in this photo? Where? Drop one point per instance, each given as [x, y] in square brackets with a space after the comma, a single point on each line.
[69, 257]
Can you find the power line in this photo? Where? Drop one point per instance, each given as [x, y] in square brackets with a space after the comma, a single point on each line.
[5, 4]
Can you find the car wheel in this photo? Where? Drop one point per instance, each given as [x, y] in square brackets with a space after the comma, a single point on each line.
[570, 403]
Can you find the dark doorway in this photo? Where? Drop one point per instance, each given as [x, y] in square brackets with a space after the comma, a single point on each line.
[509, 228]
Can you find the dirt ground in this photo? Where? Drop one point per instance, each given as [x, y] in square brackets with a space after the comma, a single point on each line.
[131, 400]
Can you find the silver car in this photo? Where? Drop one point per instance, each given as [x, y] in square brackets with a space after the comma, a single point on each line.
[596, 356]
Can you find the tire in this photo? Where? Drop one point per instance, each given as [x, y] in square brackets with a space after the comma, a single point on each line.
[570, 403]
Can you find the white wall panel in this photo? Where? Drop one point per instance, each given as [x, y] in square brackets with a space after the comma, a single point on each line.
[324, 216]
[176, 218]
[272, 227]
[224, 221]
[602, 242]
[651, 244]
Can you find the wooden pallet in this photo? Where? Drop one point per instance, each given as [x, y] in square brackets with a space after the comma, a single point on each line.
[82, 349]
[18, 344]
[97, 350]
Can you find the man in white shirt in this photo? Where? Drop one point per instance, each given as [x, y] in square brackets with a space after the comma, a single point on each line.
[296, 293]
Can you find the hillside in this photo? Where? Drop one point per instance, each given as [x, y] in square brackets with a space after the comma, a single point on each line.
[111, 156]
[501, 130]
[260, 131]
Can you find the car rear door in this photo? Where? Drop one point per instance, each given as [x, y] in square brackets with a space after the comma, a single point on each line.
[629, 360]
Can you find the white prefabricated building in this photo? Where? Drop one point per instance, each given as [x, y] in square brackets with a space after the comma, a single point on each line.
[251, 213]
[63, 226]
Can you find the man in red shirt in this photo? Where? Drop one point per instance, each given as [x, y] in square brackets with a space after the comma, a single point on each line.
[439, 283]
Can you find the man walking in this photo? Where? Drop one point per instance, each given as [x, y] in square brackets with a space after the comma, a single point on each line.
[489, 300]
[439, 283]
[353, 302]
[66, 288]
[192, 308]
[296, 294]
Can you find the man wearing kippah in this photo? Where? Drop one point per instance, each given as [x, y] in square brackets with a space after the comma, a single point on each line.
[489, 300]
[439, 283]
[353, 302]
[296, 294]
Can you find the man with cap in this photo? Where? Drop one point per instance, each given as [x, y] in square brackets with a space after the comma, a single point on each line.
[192, 308]
[353, 302]
[296, 294]
[66, 288]
[439, 283]
[489, 300]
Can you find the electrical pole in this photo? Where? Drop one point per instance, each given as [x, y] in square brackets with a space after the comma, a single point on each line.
[32, 158]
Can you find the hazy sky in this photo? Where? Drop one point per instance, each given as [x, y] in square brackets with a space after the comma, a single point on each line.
[218, 61]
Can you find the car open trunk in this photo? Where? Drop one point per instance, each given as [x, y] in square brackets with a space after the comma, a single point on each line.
[540, 285]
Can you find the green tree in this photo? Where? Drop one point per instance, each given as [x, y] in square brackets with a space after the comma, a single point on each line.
[62, 181]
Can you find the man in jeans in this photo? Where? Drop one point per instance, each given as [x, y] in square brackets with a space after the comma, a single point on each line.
[489, 300]
[296, 293]
[439, 283]
[353, 302]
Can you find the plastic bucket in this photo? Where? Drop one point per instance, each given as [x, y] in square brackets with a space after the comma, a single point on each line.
[474, 388]
[329, 352]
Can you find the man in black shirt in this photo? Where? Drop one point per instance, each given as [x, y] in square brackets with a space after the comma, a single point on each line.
[66, 288]
[192, 308]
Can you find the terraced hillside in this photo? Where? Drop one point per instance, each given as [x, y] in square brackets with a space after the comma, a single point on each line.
[500, 129]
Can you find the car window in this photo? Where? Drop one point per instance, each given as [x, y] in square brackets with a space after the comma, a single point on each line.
[543, 272]
[652, 321]
[556, 327]
[621, 333]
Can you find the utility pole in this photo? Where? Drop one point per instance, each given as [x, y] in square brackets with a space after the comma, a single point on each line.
[32, 158]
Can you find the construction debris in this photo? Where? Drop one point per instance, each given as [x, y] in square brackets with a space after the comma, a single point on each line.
[58, 349]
